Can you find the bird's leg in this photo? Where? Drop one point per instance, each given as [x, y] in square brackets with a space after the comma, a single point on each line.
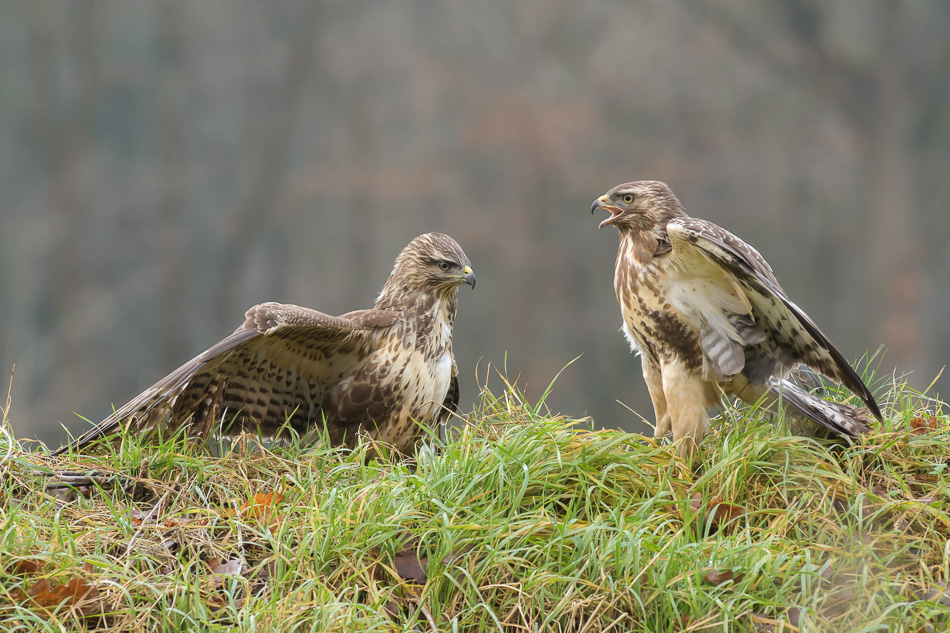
[654, 381]
[684, 394]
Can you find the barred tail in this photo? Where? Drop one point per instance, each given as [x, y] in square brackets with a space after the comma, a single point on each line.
[843, 419]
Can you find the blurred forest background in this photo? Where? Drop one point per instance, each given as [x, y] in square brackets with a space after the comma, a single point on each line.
[166, 164]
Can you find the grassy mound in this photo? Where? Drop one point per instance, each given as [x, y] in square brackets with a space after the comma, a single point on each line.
[521, 522]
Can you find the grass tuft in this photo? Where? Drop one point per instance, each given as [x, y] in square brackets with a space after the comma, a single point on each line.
[521, 521]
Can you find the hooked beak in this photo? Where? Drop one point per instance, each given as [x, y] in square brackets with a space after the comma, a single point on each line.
[468, 276]
[601, 203]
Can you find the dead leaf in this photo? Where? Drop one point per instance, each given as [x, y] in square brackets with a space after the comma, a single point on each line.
[718, 513]
[725, 513]
[26, 566]
[231, 567]
[262, 507]
[62, 494]
[795, 616]
[696, 502]
[718, 577]
[939, 594]
[392, 609]
[410, 567]
[132, 514]
[77, 593]
[922, 426]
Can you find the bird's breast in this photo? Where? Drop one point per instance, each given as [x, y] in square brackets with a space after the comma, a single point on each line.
[651, 322]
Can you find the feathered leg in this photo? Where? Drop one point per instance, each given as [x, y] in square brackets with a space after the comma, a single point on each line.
[654, 381]
[684, 394]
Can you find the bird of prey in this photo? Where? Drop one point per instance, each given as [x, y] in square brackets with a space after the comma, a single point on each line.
[383, 373]
[707, 316]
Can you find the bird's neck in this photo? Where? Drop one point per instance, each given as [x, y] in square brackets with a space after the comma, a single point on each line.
[426, 312]
[637, 246]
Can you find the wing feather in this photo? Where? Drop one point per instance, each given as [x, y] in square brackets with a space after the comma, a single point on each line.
[718, 258]
[280, 349]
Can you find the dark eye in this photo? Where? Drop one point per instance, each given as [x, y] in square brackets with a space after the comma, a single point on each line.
[444, 265]
[628, 198]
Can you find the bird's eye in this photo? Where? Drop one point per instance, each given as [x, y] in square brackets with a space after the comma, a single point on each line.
[444, 265]
[628, 198]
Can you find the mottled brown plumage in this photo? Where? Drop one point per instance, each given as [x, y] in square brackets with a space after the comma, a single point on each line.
[707, 315]
[382, 374]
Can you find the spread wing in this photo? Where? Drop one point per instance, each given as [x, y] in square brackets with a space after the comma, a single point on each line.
[747, 322]
[276, 367]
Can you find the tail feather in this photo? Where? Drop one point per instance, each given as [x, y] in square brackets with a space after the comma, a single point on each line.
[843, 419]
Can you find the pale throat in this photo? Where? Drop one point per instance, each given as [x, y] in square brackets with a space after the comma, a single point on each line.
[637, 246]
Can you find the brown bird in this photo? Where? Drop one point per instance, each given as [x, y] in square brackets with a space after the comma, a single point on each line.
[383, 374]
[707, 316]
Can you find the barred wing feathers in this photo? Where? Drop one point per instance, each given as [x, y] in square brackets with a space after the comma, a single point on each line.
[750, 324]
[277, 365]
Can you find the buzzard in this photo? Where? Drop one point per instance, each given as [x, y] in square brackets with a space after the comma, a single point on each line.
[706, 314]
[382, 373]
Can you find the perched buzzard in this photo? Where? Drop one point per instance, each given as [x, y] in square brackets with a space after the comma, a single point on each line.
[705, 312]
[378, 373]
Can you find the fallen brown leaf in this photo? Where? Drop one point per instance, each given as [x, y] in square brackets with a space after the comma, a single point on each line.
[262, 508]
[259, 506]
[77, 593]
[231, 567]
[718, 513]
[132, 514]
[410, 567]
[26, 566]
[795, 615]
[922, 426]
[725, 513]
[696, 502]
[718, 577]
[392, 609]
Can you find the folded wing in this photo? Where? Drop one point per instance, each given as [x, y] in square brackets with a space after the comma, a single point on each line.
[747, 322]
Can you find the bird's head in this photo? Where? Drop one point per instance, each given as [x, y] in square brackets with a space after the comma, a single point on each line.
[432, 264]
[640, 205]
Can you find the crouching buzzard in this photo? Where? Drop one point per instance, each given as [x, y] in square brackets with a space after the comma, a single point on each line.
[381, 373]
[705, 312]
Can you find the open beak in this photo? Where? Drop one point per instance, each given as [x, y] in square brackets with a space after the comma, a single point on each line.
[468, 276]
[601, 203]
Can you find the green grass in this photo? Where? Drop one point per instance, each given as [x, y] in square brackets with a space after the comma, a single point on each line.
[523, 521]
